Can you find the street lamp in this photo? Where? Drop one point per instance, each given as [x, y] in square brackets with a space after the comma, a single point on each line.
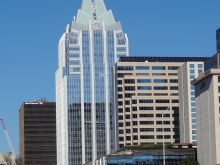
[163, 137]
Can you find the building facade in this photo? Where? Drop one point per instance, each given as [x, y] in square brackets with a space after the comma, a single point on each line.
[37, 132]
[145, 89]
[187, 108]
[87, 51]
[207, 90]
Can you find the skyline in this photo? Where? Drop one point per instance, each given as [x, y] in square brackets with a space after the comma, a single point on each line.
[190, 33]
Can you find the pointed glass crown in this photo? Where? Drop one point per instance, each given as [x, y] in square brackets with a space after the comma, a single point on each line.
[94, 11]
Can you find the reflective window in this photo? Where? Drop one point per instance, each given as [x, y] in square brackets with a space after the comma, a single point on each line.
[192, 98]
[192, 76]
[160, 80]
[193, 109]
[200, 66]
[144, 80]
[74, 69]
[142, 67]
[144, 87]
[193, 120]
[192, 71]
[158, 74]
[74, 55]
[192, 93]
[192, 87]
[191, 65]
[193, 115]
[142, 74]
[193, 104]
[193, 131]
[158, 68]
[194, 138]
[71, 62]
[74, 48]
[193, 126]
[121, 49]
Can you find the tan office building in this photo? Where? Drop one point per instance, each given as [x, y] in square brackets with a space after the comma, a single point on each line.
[146, 88]
[37, 132]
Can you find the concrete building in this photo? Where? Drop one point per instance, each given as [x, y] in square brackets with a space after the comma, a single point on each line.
[37, 132]
[207, 90]
[146, 88]
[7, 159]
[187, 108]
[87, 51]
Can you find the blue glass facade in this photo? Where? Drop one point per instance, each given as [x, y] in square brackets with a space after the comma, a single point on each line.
[153, 158]
[88, 50]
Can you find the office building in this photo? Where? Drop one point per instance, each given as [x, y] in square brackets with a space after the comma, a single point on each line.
[37, 132]
[146, 88]
[187, 108]
[207, 88]
[88, 49]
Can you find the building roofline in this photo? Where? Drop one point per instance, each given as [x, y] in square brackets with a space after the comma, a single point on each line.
[205, 75]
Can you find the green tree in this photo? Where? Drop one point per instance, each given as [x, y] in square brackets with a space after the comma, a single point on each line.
[189, 161]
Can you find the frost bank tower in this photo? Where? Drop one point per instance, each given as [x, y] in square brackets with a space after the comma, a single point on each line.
[87, 51]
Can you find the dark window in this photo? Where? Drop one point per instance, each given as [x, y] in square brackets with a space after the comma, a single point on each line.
[160, 88]
[119, 88]
[146, 108]
[128, 117]
[127, 102]
[134, 115]
[145, 101]
[120, 110]
[121, 138]
[134, 108]
[127, 109]
[120, 124]
[135, 130]
[128, 137]
[129, 95]
[121, 145]
[121, 131]
[135, 123]
[164, 115]
[135, 137]
[218, 78]
[146, 115]
[164, 122]
[128, 131]
[146, 129]
[125, 68]
[162, 101]
[219, 89]
[119, 81]
[120, 117]
[134, 101]
[147, 137]
[175, 101]
[120, 96]
[173, 87]
[120, 103]
[162, 108]
[129, 88]
[161, 129]
[146, 122]
[128, 124]
[158, 74]
[129, 81]
[173, 80]
[173, 67]
[165, 137]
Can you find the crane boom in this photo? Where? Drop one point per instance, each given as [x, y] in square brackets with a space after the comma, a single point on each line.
[7, 136]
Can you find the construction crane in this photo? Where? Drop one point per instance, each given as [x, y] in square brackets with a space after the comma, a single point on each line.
[7, 136]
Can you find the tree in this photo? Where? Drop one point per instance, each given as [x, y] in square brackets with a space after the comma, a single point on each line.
[189, 161]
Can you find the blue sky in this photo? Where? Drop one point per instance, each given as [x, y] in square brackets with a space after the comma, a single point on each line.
[30, 31]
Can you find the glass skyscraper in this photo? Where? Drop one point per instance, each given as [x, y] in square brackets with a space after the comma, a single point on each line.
[87, 51]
